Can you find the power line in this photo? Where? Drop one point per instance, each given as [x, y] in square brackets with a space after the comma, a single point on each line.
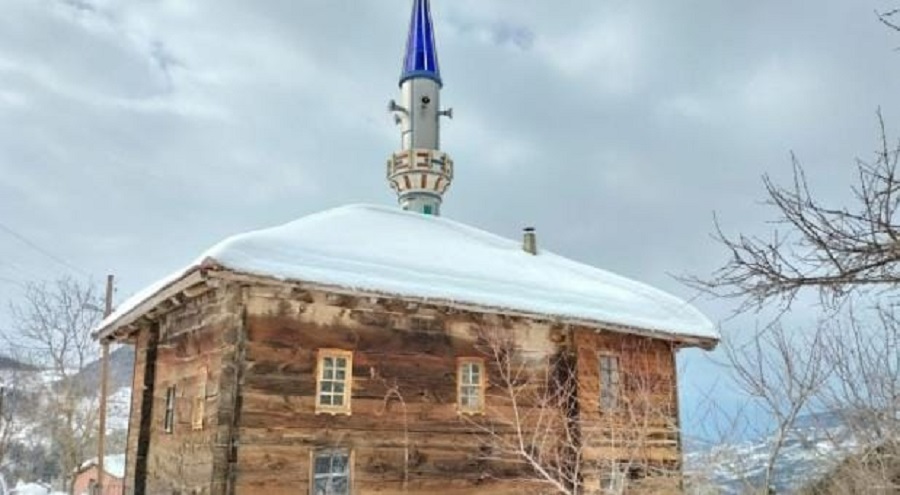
[41, 250]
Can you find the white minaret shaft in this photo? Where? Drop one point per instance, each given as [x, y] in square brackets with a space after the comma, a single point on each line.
[420, 173]
[420, 125]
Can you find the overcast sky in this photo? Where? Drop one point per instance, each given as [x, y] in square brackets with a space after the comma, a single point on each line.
[135, 134]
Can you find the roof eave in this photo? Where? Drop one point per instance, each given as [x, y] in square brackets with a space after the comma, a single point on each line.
[197, 280]
[681, 340]
[192, 283]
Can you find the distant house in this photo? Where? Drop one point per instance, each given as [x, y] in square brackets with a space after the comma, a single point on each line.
[113, 480]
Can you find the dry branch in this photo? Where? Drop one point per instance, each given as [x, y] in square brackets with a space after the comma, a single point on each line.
[541, 426]
[836, 251]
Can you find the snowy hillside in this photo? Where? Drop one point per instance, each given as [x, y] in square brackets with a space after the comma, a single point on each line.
[814, 446]
[29, 463]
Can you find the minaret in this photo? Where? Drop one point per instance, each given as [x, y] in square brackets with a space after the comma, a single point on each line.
[420, 173]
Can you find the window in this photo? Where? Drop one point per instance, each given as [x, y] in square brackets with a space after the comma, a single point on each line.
[333, 389]
[429, 210]
[169, 420]
[609, 382]
[470, 381]
[198, 410]
[331, 472]
[197, 413]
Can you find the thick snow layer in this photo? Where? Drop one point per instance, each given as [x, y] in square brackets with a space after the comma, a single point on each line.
[32, 489]
[112, 464]
[386, 250]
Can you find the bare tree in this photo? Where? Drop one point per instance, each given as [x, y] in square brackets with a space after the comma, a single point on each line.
[846, 255]
[534, 423]
[834, 250]
[16, 383]
[53, 326]
[889, 18]
[865, 359]
[782, 374]
[864, 394]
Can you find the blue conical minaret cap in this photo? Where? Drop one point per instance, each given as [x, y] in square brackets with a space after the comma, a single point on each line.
[421, 51]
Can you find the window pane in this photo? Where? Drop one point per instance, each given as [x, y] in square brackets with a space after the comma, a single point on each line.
[337, 400]
[339, 464]
[332, 474]
[338, 388]
[341, 362]
[469, 397]
[327, 386]
[340, 374]
[341, 486]
[323, 464]
[609, 382]
[470, 391]
[471, 374]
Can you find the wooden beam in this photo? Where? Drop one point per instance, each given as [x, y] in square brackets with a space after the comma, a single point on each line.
[193, 281]
[706, 343]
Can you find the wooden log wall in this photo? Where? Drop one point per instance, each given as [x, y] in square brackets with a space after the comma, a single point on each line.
[249, 352]
[641, 436]
[404, 430]
[137, 413]
[189, 357]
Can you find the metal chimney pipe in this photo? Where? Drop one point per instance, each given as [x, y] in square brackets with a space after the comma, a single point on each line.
[529, 241]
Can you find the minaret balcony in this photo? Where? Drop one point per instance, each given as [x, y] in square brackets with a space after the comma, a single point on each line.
[420, 170]
[420, 160]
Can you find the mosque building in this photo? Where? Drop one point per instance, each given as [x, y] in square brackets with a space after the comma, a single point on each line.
[371, 349]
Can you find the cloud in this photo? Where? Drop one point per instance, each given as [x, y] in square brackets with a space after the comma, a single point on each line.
[607, 56]
[133, 135]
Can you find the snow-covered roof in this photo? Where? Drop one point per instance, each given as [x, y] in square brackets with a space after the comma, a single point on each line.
[389, 251]
[112, 464]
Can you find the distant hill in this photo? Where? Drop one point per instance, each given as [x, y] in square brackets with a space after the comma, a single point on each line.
[874, 470]
[814, 449]
[121, 369]
[8, 363]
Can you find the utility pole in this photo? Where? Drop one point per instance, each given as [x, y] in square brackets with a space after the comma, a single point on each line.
[104, 389]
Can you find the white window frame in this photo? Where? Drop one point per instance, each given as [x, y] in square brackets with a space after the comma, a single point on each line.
[609, 369]
[169, 417]
[465, 384]
[314, 475]
[327, 381]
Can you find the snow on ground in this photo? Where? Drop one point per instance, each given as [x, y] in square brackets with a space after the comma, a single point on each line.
[386, 250]
[32, 489]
